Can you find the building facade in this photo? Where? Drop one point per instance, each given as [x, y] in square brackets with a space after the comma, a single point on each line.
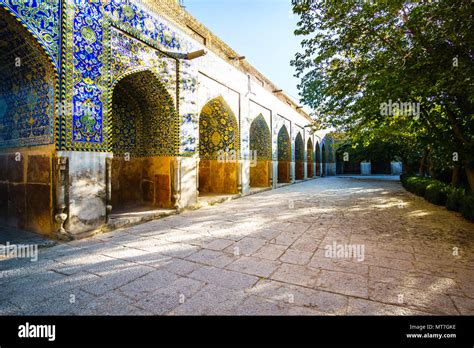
[108, 105]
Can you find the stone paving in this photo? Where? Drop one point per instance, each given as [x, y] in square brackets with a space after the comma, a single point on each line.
[265, 254]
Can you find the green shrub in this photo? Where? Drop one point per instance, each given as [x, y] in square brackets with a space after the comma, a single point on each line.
[466, 207]
[417, 185]
[436, 192]
[454, 198]
[403, 179]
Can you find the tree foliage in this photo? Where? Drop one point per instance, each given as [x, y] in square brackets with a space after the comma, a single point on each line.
[358, 55]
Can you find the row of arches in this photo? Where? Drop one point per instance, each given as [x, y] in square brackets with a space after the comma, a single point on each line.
[142, 115]
[313, 157]
[143, 132]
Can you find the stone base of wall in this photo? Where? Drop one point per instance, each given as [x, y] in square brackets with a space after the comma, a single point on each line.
[260, 174]
[142, 181]
[218, 177]
[309, 170]
[330, 168]
[299, 170]
[284, 172]
[26, 189]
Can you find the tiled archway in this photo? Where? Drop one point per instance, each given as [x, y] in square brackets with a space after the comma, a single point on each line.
[143, 142]
[218, 149]
[260, 153]
[284, 155]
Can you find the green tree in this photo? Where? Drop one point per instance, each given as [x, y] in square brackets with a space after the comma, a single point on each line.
[359, 55]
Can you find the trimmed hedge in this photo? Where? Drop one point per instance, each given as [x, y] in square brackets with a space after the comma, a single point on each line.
[417, 185]
[439, 193]
[454, 198]
[466, 207]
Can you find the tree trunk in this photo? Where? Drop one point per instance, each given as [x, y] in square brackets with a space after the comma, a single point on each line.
[423, 162]
[470, 176]
[456, 174]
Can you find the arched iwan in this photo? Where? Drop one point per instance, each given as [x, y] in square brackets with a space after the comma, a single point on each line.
[28, 114]
[299, 157]
[143, 140]
[260, 156]
[310, 159]
[218, 149]
[284, 155]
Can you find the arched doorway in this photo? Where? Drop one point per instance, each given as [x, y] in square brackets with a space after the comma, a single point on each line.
[318, 159]
[310, 159]
[299, 158]
[324, 159]
[218, 149]
[27, 116]
[284, 155]
[260, 153]
[143, 142]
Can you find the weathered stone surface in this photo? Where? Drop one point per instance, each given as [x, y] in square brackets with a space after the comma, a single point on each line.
[39, 169]
[254, 266]
[16, 206]
[246, 246]
[16, 169]
[297, 275]
[39, 208]
[418, 299]
[224, 278]
[270, 251]
[212, 300]
[165, 299]
[145, 269]
[343, 283]
[297, 257]
[211, 258]
[323, 302]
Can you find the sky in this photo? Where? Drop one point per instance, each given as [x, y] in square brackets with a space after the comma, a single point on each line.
[260, 30]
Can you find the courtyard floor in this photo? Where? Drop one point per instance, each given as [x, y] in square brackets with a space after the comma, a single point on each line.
[263, 254]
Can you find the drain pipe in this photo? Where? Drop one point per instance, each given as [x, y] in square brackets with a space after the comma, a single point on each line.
[62, 168]
[177, 183]
[108, 188]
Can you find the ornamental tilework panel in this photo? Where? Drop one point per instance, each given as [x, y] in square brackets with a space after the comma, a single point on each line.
[310, 151]
[189, 115]
[260, 139]
[217, 129]
[87, 98]
[132, 18]
[90, 27]
[143, 117]
[299, 148]
[284, 145]
[42, 19]
[129, 54]
[27, 104]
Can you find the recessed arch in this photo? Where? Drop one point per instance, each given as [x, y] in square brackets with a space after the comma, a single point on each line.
[28, 119]
[143, 141]
[260, 145]
[219, 147]
[28, 88]
[284, 155]
[38, 37]
[317, 159]
[299, 157]
[310, 158]
[323, 159]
